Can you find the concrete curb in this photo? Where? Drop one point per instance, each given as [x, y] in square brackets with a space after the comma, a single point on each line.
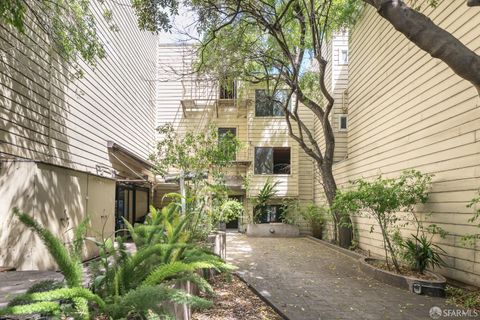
[433, 288]
[350, 253]
[262, 297]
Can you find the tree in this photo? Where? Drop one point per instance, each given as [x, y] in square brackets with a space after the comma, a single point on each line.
[71, 26]
[269, 42]
[432, 39]
[202, 159]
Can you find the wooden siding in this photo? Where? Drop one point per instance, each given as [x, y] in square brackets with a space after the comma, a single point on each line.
[173, 61]
[408, 110]
[46, 115]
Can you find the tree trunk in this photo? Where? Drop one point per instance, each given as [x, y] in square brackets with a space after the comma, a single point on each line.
[330, 189]
[431, 38]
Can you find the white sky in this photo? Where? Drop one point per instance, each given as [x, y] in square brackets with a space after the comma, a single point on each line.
[183, 28]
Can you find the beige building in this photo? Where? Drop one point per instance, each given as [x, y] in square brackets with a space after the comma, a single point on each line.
[72, 148]
[407, 110]
[396, 108]
[191, 103]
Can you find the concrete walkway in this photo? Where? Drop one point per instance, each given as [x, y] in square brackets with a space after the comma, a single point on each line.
[308, 280]
[17, 282]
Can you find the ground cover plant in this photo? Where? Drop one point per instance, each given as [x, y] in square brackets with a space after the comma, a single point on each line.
[125, 284]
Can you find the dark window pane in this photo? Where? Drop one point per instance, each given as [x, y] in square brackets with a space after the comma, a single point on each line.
[263, 105]
[271, 213]
[343, 122]
[223, 132]
[281, 160]
[279, 101]
[263, 160]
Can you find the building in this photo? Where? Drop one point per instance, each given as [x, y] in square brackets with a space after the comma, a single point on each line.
[407, 110]
[191, 102]
[72, 148]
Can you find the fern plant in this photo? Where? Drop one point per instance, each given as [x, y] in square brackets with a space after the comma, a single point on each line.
[68, 259]
[125, 284]
[165, 256]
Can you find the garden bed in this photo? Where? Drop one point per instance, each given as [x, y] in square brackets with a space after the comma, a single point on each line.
[234, 300]
[431, 284]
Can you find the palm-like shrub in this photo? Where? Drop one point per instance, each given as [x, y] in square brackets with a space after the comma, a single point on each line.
[260, 202]
[420, 253]
[126, 284]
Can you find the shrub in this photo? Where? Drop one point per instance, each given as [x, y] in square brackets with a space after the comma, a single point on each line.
[382, 199]
[420, 253]
[125, 284]
[316, 216]
[260, 202]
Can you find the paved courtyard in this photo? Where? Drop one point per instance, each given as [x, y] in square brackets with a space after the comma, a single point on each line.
[308, 280]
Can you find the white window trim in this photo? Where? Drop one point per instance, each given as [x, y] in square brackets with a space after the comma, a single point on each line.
[340, 63]
[340, 129]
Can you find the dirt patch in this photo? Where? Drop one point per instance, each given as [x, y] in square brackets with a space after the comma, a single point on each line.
[405, 271]
[235, 301]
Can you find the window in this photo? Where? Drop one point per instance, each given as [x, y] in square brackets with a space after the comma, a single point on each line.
[342, 122]
[271, 213]
[272, 160]
[226, 133]
[342, 56]
[270, 106]
[227, 89]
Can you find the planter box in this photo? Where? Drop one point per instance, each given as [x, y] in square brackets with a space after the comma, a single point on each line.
[433, 288]
[218, 242]
[272, 230]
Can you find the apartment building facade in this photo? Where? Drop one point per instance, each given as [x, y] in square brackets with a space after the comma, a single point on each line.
[192, 102]
[72, 148]
[407, 110]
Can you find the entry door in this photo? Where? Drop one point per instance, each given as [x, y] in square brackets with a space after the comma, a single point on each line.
[234, 223]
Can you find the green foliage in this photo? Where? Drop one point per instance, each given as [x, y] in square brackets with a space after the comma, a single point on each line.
[468, 299]
[125, 284]
[469, 239]
[194, 152]
[420, 253]
[383, 199]
[44, 298]
[141, 300]
[231, 210]
[316, 216]
[198, 155]
[68, 262]
[291, 212]
[265, 194]
[154, 15]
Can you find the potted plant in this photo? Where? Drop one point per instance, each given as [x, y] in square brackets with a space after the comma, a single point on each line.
[315, 216]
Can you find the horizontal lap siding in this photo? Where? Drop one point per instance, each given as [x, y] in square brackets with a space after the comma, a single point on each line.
[408, 110]
[45, 115]
[175, 60]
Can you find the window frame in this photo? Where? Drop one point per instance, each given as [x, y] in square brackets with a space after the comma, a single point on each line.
[278, 214]
[273, 162]
[256, 115]
[236, 135]
[340, 61]
[340, 116]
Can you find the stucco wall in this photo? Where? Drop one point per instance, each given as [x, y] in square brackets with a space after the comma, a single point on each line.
[59, 199]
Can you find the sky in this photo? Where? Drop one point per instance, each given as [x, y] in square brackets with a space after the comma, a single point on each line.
[182, 23]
